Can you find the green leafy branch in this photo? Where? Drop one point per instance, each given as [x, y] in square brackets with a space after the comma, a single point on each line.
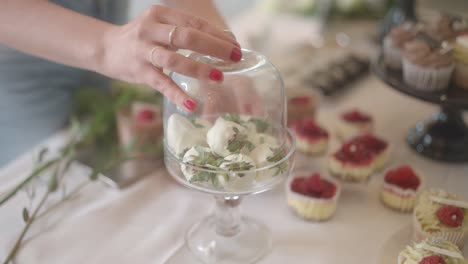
[98, 110]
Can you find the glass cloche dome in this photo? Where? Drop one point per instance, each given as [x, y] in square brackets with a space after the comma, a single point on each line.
[235, 143]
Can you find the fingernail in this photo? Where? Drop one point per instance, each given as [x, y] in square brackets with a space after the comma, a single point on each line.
[216, 75]
[190, 105]
[236, 54]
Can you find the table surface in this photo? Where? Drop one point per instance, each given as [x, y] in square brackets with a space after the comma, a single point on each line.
[145, 223]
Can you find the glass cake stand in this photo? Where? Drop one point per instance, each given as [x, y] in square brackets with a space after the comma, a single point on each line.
[443, 137]
[235, 144]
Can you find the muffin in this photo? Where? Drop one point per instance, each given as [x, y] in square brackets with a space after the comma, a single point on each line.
[442, 28]
[400, 188]
[302, 103]
[460, 54]
[313, 197]
[139, 126]
[310, 137]
[431, 252]
[354, 123]
[439, 214]
[425, 68]
[393, 45]
[359, 158]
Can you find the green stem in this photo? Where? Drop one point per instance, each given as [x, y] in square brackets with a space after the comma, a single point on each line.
[28, 179]
[66, 198]
[17, 245]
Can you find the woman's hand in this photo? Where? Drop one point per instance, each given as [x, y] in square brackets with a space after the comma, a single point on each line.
[140, 50]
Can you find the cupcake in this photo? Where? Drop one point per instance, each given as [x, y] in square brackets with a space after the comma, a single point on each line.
[310, 137]
[302, 103]
[393, 45]
[442, 28]
[139, 126]
[359, 158]
[400, 188]
[425, 68]
[354, 123]
[431, 252]
[313, 197]
[439, 214]
[460, 54]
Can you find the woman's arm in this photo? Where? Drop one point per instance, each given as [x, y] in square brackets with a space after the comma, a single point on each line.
[46, 30]
[134, 52]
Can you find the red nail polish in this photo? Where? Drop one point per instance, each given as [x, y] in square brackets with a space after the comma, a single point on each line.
[190, 105]
[216, 75]
[236, 54]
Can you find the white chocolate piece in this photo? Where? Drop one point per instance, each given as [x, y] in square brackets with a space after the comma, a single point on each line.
[181, 134]
[220, 134]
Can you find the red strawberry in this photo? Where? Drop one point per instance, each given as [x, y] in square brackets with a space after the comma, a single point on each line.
[403, 177]
[371, 143]
[145, 116]
[299, 185]
[329, 191]
[450, 215]
[356, 116]
[308, 128]
[313, 186]
[432, 260]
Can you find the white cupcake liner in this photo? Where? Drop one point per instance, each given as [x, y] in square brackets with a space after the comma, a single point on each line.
[458, 238]
[402, 200]
[346, 130]
[405, 199]
[426, 78]
[350, 173]
[392, 54]
[316, 209]
[311, 147]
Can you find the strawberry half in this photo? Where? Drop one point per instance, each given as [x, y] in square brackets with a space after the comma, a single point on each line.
[450, 215]
[432, 260]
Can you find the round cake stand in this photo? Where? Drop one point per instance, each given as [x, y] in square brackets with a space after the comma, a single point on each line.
[443, 137]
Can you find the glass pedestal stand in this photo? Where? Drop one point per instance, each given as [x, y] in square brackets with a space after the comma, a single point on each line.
[445, 136]
[226, 237]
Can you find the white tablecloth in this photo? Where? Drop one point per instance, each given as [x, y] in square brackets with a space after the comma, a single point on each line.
[145, 223]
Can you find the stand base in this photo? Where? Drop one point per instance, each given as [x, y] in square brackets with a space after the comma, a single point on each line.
[250, 244]
[444, 137]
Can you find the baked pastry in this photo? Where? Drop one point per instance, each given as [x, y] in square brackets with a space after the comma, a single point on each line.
[400, 188]
[439, 214]
[310, 137]
[460, 54]
[359, 158]
[431, 252]
[302, 103]
[139, 126]
[393, 44]
[313, 197]
[353, 123]
[425, 68]
[442, 28]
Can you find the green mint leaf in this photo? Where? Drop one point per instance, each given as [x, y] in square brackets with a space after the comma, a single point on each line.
[261, 125]
[233, 118]
[195, 124]
[25, 215]
[94, 175]
[53, 183]
[42, 154]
